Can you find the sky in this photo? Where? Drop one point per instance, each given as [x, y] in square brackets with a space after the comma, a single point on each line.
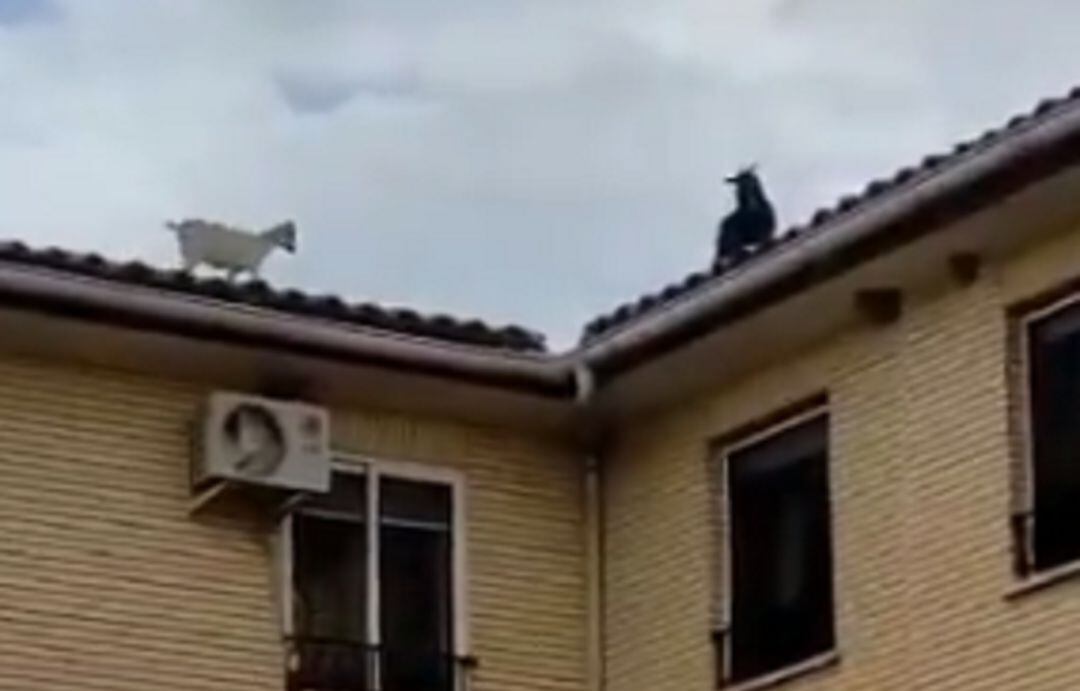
[526, 161]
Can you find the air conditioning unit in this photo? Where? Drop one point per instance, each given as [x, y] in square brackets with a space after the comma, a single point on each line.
[247, 440]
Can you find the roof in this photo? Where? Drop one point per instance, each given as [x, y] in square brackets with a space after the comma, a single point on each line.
[290, 301]
[1007, 174]
[904, 178]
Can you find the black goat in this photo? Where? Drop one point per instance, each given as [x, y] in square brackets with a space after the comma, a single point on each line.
[752, 223]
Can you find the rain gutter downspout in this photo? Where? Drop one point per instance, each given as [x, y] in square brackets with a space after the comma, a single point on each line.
[593, 523]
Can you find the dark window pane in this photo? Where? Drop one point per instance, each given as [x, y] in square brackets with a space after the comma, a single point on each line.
[781, 547]
[425, 502]
[348, 495]
[1055, 407]
[329, 579]
[415, 576]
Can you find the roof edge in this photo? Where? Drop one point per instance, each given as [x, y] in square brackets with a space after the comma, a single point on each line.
[289, 301]
[1035, 148]
[62, 293]
[917, 202]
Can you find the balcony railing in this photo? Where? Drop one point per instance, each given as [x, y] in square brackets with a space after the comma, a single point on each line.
[321, 664]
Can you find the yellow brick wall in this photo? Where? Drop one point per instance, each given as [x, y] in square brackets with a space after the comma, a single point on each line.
[105, 583]
[921, 500]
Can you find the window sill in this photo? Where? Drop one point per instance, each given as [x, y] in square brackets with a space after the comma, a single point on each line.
[1044, 579]
[782, 676]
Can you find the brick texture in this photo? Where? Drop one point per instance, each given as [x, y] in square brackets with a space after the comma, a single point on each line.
[922, 489]
[106, 583]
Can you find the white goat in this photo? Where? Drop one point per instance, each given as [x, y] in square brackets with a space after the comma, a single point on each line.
[232, 249]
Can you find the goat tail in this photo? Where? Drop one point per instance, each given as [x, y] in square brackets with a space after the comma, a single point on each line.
[172, 225]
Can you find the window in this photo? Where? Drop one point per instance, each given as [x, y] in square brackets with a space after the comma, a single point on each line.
[1046, 526]
[375, 593]
[779, 594]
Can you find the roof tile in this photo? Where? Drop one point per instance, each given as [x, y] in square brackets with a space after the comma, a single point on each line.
[259, 293]
[631, 311]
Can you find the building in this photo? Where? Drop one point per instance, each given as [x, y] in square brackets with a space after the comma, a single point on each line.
[847, 463]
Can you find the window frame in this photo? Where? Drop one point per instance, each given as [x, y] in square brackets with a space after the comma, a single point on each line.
[1024, 482]
[374, 469]
[730, 444]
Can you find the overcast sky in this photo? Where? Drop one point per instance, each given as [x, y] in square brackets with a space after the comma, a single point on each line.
[535, 161]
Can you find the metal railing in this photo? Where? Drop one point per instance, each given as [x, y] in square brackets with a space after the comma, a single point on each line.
[324, 664]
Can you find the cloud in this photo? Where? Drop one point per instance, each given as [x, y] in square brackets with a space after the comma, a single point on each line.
[506, 158]
[19, 12]
[315, 94]
[322, 93]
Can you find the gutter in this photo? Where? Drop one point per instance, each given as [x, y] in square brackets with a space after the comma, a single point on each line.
[978, 179]
[92, 299]
[594, 572]
[974, 181]
[990, 171]
[591, 441]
